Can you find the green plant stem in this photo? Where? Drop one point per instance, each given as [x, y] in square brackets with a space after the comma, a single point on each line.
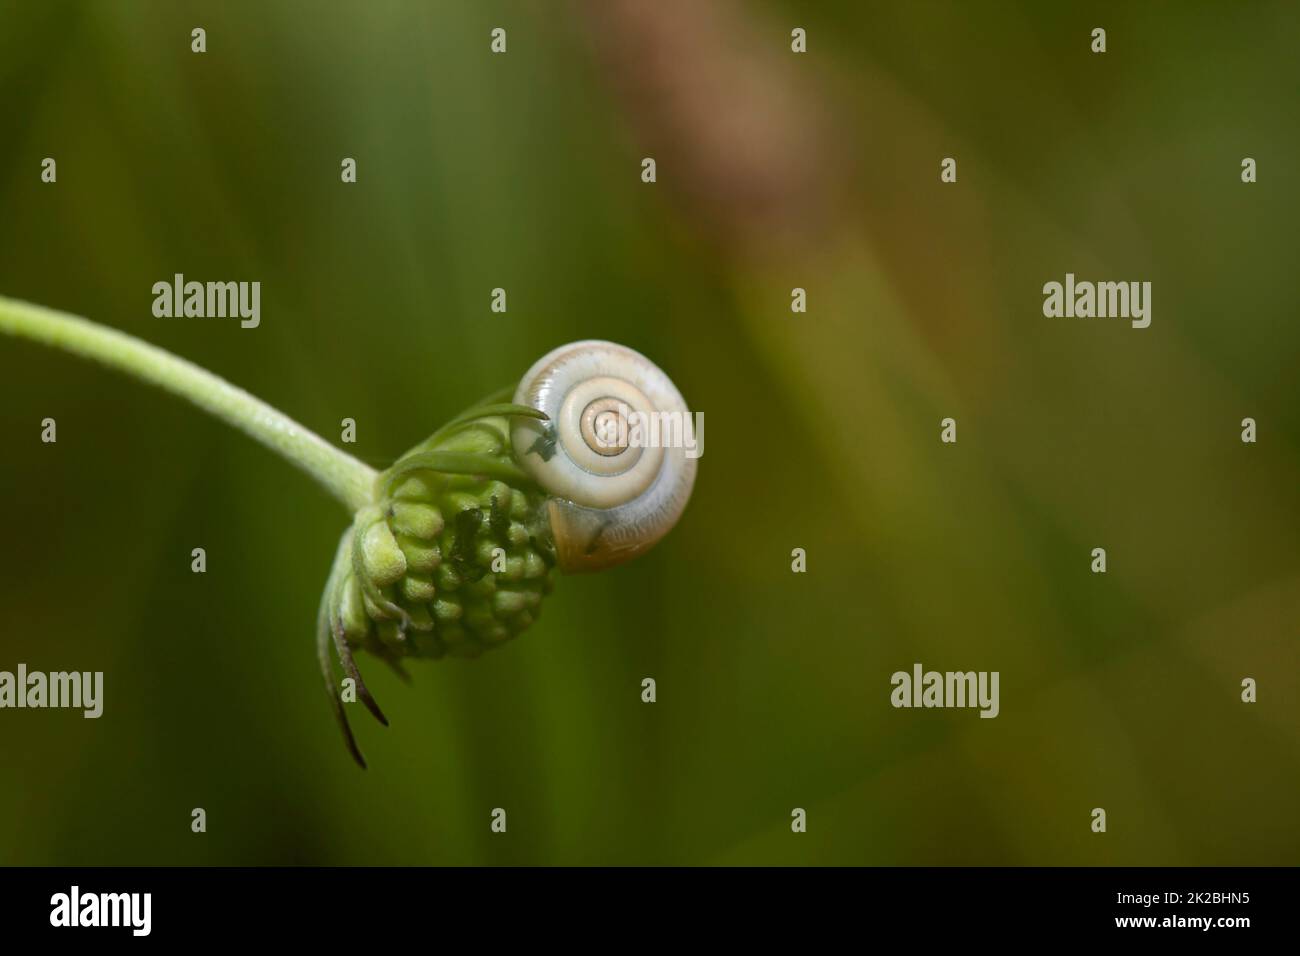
[349, 480]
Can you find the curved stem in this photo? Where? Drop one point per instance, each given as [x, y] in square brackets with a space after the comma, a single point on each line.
[349, 480]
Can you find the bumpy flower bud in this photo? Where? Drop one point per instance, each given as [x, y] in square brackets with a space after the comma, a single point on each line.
[448, 563]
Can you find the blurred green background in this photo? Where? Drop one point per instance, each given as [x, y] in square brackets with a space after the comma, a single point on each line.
[775, 170]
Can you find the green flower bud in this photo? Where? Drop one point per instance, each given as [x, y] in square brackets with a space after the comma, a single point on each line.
[410, 554]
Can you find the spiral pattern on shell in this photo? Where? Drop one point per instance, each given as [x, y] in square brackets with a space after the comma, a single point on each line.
[612, 452]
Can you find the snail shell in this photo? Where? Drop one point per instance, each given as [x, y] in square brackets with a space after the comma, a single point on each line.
[613, 492]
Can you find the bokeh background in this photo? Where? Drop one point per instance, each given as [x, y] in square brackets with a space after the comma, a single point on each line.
[775, 170]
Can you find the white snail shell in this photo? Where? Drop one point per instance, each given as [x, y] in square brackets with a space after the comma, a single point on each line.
[612, 496]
